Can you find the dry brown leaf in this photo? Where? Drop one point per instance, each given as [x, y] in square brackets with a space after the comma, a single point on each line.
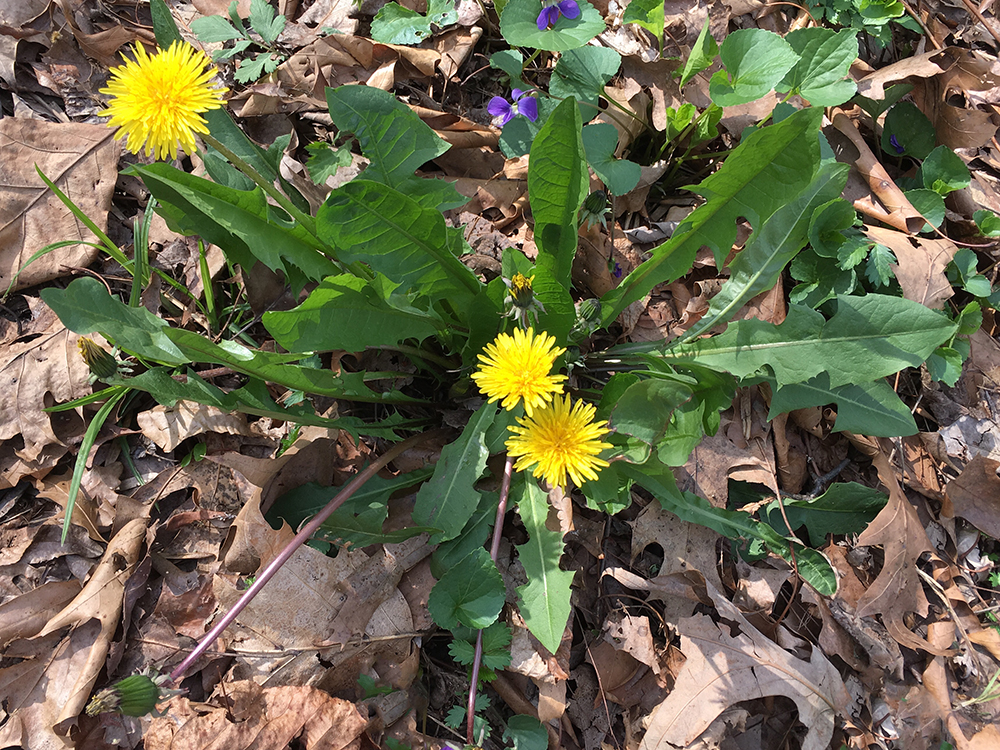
[44, 370]
[658, 78]
[45, 693]
[631, 633]
[373, 584]
[47, 545]
[320, 455]
[958, 126]
[919, 66]
[921, 468]
[19, 13]
[723, 669]
[551, 699]
[455, 46]
[220, 7]
[717, 459]
[341, 59]
[103, 45]
[333, 13]
[34, 691]
[100, 599]
[13, 543]
[261, 718]
[985, 355]
[975, 495]
[616, 670]
[85, 513]
[897, 590]
[169, 427]
[686, 547]
[314, 600]
[25, 615]
[921, 265]
[80, 159]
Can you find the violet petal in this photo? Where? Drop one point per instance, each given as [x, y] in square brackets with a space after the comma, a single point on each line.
[499, 106]
[528, 107]
[569, 8]
[547, 16]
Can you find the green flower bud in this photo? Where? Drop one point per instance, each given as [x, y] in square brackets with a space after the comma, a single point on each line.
[589, 310]
[102, 365]
[134, 696]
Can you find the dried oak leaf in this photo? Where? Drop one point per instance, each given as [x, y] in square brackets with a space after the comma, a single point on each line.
[921, 265]
[46, 691]
[897, 589]
[169, 427]
[973, 495]
[723, 669]
[80, 159]
[271, 719]
[35, 373]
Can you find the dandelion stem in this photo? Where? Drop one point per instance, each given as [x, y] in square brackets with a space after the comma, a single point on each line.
[508, 470]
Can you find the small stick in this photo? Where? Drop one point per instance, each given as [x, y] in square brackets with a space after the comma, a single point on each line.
[206, 641]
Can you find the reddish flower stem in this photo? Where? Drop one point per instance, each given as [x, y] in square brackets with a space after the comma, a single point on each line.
[303, 536]
[508, 470]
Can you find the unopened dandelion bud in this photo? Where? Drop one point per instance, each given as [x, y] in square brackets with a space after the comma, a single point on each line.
[136, 695]
[102, 365]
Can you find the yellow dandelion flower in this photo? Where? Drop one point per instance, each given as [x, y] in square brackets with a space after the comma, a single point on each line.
[157, 100]
[560, 440]
[517, 367]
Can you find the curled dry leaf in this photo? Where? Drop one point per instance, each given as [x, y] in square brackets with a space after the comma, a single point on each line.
[25, 615]
[897, 590]
[45, 693]
[920, 271]
[919, 66]
[975, 496]
[340, 59]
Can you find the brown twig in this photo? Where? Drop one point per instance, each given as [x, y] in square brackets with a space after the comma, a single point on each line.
[971, 6]
[301, 538]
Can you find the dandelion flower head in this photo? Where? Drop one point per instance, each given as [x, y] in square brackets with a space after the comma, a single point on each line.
[518, 366]
[157, 100]
[523, 304]
[560, 439]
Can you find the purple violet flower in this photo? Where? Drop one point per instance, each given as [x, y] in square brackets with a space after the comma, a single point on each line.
[552, 10]
[521, 104]
[896, 144]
